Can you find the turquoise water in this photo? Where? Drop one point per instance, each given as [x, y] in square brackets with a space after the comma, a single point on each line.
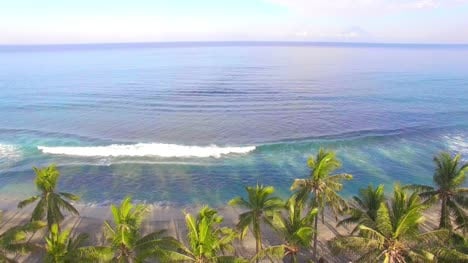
[196, 122]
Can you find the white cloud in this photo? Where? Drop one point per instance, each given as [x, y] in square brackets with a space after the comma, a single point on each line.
[422, 4]
[309, 20]
[362, 7]
[354, 33]
[85, 29]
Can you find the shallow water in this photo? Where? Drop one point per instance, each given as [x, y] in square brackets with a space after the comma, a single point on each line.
[194, 123]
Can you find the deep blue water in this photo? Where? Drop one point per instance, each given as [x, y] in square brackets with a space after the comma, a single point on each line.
[195, 122]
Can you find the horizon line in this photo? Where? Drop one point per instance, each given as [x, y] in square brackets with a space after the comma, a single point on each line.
[234, 42]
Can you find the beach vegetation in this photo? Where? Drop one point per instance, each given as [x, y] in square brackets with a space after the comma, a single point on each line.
[378, 228]
[62, 247]
[260, 207]
[50, 202]
[126, 241]
[324, 188]
[295, 227]
[208, 242]
[14, 241]
[363, 207]
[396, 235]
[448, 192]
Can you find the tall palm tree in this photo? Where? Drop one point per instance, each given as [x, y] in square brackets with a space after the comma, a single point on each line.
[324, 187]
[63, 248]
[449, 178]
[13, 240]
[295, 227]
[127, 242]
[363, 208]
[51, 203]
[395, 236]
[260, 206]
[207, 241]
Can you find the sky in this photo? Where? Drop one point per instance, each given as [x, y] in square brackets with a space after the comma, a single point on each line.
[117, 21]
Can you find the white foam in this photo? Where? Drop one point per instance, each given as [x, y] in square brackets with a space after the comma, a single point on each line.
[146, 149]
[457, 144]
[109, 162]
[9, 152]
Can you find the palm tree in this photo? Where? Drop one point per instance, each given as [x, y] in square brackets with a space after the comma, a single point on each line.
[50, 203]
[126, 240]
[13, 240]
[207, 241]
[363, 208]
[295, 227]
[456, 251]
[449, 177]
[62, 248]
[324, 187]
[261, 206]
[395, 236]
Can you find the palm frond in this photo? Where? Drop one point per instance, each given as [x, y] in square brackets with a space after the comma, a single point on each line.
[447, 255]
[352, 245]
[383, 220]
[460, 216]
[28, 201]
[419, 188]
[93, 254]
[69, 196]
[271, 253]
[66, 205]
[439, 236]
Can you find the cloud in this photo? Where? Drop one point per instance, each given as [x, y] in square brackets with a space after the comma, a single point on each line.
[422, 4]
[362, 7]
[353, 34]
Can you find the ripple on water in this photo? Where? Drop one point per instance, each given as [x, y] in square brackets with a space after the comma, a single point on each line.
[458, 144]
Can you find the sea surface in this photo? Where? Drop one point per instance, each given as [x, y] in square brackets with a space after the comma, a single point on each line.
[193, 123]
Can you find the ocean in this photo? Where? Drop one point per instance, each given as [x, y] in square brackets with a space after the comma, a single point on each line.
[194, 123]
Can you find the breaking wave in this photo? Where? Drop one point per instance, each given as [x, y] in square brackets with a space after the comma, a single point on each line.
[9, 153]
[146, 149]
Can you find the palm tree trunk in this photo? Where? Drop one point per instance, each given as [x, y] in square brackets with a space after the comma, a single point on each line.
[293, 258]
[257, 248]
[258, 238]
[443, 214]
[314, 252]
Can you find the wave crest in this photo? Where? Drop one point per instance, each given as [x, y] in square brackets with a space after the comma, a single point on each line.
[146, 149]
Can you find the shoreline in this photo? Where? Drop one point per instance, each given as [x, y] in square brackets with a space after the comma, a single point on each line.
[171, 218]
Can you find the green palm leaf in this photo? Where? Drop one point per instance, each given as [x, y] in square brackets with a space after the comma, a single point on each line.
[449, 176]
[28, 201]
[395, 236]
[125, 239]
[323, 186]
[261, 207]
[61, 247]
[208, 242]
[50, 203]
[270, 253]
[14, 240]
